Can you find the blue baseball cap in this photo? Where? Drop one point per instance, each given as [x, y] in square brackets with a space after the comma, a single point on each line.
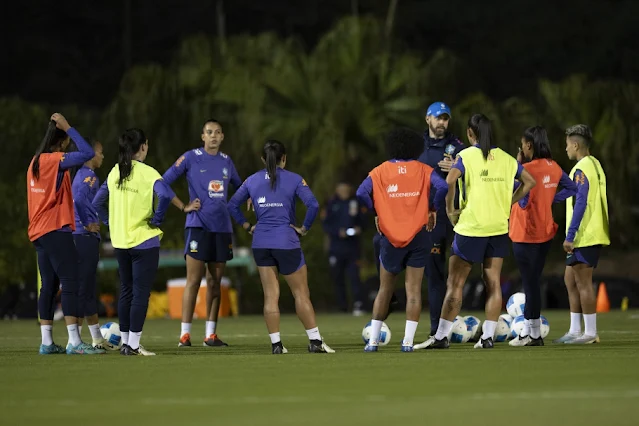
[438, 108]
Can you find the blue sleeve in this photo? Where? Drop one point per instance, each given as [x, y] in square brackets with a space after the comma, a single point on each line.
[176, 170]
[364, 192]
[165, 195]
[82, 202]
[79, 157]
[568, 189]
[580, 205]
[520, 170]
[235, 177]
[239, 198]
[312, 206]
[441, 189]
[459, 146]
[459, 165]
[100, 203]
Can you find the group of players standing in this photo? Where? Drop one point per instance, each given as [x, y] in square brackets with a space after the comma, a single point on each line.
[414, 195]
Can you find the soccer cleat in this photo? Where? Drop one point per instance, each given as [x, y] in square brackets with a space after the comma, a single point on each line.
[278, 349]
[536, 342]
[212, 340]
[583, 340]
[185, 340]
[100, 344]
[319, 347]
[567, 337]
[484, 344]
[407, 348]
[433, 343]
[83, 349]
[129, 351]
[123, 349]
[520, 341]
[51, 349]
[370, 348]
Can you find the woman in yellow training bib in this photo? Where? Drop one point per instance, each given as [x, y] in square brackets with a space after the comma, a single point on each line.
[135, 233]
[586, 232]
[481, 226]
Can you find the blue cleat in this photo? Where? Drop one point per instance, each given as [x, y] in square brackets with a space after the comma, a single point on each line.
[51, 349]
[83, 349]
[407, 348]
[370, 348]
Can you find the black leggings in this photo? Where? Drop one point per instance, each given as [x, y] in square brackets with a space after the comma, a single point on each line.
[88, 247]
[531, 258]
[58, 263]
[137, 269]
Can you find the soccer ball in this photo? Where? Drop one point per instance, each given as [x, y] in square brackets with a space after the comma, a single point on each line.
[472, 325]
[516, 304]
[503, 328]
[111, 333]
[516, 327]
[545, 327]
[460, 332]
[384, 334]
[455, 321]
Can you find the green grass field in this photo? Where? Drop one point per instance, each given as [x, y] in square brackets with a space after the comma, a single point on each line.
[245, 385]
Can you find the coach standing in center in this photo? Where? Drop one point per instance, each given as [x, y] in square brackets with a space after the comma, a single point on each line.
[440, 149]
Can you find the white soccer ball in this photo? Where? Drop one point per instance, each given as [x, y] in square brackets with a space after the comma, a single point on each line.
[516, 327]
[457, 319]
[516, 304]
[545, 327]
[503, 328]
[460, 332]
[111, 333]
[473, 326]
[384, 334]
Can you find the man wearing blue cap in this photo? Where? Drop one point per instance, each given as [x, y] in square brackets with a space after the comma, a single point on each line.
[440, 150]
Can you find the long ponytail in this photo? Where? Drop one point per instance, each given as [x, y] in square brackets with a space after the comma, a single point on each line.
[52, 137]
[481, 127]
[272, 154]
[129, 145]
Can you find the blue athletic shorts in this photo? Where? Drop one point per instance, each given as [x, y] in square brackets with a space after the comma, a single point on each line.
[287, 261]
[588, 255]
[395, 260]
[206, 246]
[476, 249]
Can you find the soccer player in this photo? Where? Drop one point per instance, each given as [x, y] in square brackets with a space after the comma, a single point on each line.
[51, 222]
[532, 227]
[87, 240]
[481, 227]
[401, 189]
[586, 232]
[208, 231]
[276, 240]
[135, 234]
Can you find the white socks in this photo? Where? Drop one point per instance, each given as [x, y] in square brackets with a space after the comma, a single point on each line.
[74, 336]
[443, 329]
[134, 339]
[313, 334]
[186, 328]
[80, 331]
[275, 337]
[125, 337]
[489, 329]
[526, 330]
[47, 334]
[590, 321]
[95, 331]
[210, 328]
[376, 328]
[535, 328]
[409, 333]
[575, 323]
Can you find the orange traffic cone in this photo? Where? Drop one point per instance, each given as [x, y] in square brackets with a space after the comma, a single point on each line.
[603, 304]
